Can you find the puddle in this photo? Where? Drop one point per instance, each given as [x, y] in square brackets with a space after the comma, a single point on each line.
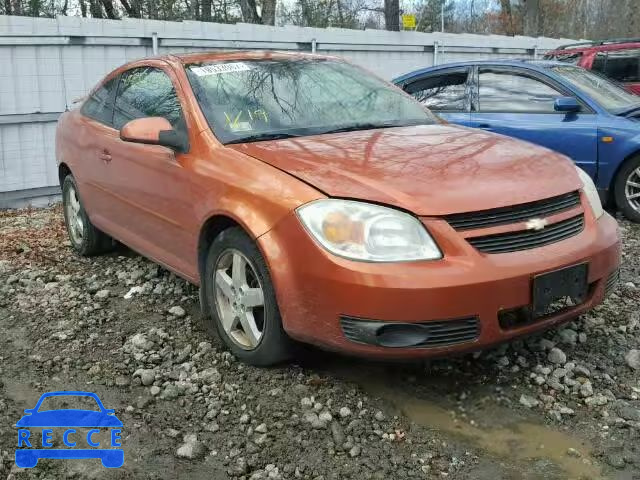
[496, 430]
[520, 442]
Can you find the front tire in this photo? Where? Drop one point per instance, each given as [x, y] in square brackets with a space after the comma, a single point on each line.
[241, 301]
[85, 238]
[627, 189]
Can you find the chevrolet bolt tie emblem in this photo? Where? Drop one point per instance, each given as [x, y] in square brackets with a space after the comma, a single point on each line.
[536, 223]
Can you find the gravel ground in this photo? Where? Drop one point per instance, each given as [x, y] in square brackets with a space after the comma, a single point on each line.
[562, 405]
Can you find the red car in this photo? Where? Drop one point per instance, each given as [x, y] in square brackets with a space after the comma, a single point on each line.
[311, 200]
[616, 59]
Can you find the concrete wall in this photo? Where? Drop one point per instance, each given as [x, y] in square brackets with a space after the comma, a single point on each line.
[47, 63]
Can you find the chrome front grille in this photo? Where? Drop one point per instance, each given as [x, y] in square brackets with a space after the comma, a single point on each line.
[513, 214]
[527, 239]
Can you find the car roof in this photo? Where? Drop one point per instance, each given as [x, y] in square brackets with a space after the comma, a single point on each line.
[525, 62]
[177, 59]
[218, 56]
[195, 57]
[601, 46]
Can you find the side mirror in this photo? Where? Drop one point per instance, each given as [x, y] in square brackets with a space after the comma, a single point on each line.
[566, 104]
[154, 131]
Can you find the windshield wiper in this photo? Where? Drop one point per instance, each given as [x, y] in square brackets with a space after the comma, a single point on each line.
[301, 132]
[362, 126]
[373, 126]
[259, 137]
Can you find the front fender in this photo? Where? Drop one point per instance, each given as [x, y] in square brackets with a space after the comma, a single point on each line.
[612, 155]
[253, 194]
[247, 191]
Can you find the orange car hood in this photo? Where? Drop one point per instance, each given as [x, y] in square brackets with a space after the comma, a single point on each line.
[428, 169]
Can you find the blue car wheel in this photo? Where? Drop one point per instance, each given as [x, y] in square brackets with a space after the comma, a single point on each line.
[627, 189]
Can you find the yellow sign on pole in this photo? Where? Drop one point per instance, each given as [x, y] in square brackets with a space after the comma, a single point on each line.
[408, 21]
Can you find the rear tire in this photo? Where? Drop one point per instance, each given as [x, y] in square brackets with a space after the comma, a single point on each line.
[241, 301]
[627, 184]
[85, 238]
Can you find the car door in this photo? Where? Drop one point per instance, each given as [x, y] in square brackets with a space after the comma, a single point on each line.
[94, 136]
[519, 103]
[445, 92]
[149, 183]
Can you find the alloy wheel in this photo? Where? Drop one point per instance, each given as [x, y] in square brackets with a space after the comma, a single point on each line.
[632, 189]
[74, 216]
[239, 299]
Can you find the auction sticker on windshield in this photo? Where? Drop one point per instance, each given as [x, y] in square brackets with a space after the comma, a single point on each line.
[218, 68]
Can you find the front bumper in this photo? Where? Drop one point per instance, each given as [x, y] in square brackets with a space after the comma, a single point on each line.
[315, 289]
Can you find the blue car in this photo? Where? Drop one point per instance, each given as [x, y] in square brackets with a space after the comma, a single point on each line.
[557, 105]
[36, 428]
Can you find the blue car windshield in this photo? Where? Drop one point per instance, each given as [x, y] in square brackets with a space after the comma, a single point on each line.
[609, 95]
[252, 100]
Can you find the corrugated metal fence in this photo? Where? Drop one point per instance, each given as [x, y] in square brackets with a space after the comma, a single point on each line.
[47, 63]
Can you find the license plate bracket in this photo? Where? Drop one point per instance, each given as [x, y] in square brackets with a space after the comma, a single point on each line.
[569, 283]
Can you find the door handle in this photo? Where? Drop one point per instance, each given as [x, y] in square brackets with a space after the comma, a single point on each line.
[105, 156]
[484, 125]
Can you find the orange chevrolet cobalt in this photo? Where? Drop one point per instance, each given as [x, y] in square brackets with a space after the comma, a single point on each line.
[312, 201]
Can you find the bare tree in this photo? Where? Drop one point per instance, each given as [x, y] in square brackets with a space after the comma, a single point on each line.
[331, 13]
[132, 9]
[506, 14]
[595, 19]
[95, 8]
[35, 8]
[249, 11]
[109, 9]
[268, 12]
[16, 7]
[392, 15]
[267, 15]
[532, 25]
[205, 15]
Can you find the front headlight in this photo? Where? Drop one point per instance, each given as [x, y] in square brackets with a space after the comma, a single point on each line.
[591, 192]
[367, 232]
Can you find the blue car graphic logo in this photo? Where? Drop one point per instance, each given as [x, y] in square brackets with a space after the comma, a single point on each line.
[69, 420]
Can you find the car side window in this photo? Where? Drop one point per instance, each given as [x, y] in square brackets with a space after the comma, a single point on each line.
[147, 92]
[444, 93]
[599, 62]
[510, 91]
[623, 65]
[99, 105]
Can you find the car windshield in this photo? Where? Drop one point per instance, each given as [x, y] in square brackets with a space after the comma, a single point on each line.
[604, 91]
[252, 100]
